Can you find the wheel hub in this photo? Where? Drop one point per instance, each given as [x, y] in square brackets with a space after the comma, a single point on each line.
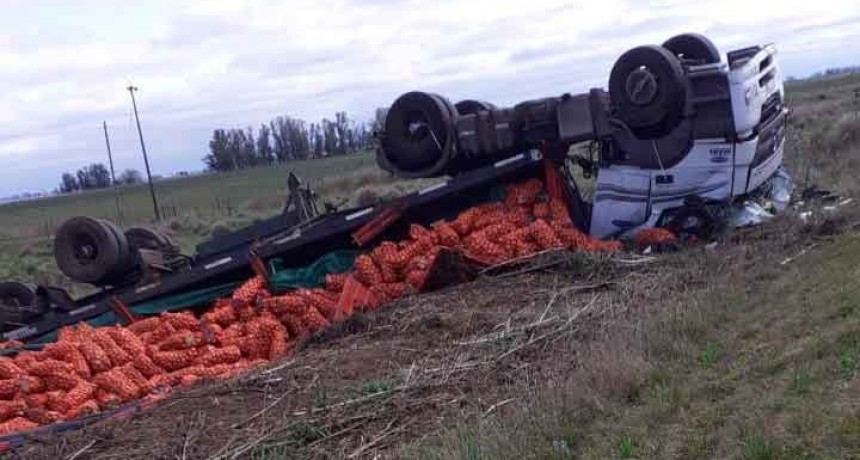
[641, 86]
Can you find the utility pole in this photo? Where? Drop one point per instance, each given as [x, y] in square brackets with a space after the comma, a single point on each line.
[131, 90]
[116, 189]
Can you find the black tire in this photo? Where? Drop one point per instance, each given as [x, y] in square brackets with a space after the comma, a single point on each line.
[87, 250]
[15, 295]
[693, 47]
[472, 107]
[647, 88]
[692, 220]
[419, 132]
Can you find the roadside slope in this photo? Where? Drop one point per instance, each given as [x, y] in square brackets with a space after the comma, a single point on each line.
[688, 355]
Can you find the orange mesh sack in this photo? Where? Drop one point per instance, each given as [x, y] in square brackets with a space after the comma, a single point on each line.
[88, 407]
[79, 394]
[8, 388]
[42, 416]
[318, 299]
[653, 236]
[383, 254]
[50, 367]
[448, 237]
[313, 320]
[127, 340]
[174, 360]
[544, 235]
[558, 211]
[523, 194]
[69, 353]
[146, 366]
[287, 303]
[465, 222]
[35, 400]
[294, 324]
[16, 425]
[231, 335]
[28, 384]
[137, 377]
[116, 382]
[8, 368]
[409, 252]
[335, 282]
[214, 356]
[222, 314]
[145, 325]
[115, 353]
[181, 340]
[366, 271]
[182, 320]
[249, 291]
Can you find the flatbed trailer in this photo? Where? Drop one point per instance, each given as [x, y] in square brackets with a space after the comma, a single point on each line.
[297, 246]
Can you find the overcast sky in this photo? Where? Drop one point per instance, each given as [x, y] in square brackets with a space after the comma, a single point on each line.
[200, 65]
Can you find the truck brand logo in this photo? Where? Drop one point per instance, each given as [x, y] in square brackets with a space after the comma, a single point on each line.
[720, 154]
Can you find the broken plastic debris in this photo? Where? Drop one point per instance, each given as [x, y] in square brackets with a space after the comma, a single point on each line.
[748, 214]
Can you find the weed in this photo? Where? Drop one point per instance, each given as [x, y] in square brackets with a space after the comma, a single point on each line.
[801, 380]
[758, 448]
[625, 446]
[847, 363]
[320, 397]
[302, 434]
[849, 431]
[376, 386]
[708, 357]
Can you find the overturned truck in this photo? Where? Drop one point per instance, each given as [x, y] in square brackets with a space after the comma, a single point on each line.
[681, 137]
[680, 140]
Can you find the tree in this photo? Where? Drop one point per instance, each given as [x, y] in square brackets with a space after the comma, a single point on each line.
[265, 153]
[130, 177]
[84, 181]
[219, 158]
[99, 175]
[68, 183]
[379, 118]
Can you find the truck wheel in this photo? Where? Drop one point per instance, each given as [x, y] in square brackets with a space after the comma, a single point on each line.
[87, 250]
[472, 107]
[419, 133]
[693, 47]
[648, 92]
[15, 295]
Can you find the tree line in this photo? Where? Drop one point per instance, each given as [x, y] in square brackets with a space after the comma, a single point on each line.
[285, 138]
[96, 176]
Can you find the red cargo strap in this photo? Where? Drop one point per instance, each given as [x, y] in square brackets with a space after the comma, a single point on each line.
[121, 310]
[554, 181]
[377, 225]
[354, 296]
[259, 269]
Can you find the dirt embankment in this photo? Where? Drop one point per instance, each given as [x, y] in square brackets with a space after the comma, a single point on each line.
[395, 378]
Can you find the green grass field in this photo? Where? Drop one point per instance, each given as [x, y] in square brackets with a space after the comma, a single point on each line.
[218, 194]
[192, 207]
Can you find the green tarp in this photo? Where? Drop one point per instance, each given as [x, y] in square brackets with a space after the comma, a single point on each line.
[311, 276]
[281, 279]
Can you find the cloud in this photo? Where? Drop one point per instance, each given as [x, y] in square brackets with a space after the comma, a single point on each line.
[204, 64]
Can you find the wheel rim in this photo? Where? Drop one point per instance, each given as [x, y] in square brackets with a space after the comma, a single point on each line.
[641, 86]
